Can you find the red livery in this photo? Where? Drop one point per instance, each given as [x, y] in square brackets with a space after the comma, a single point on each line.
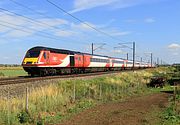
[49, 61]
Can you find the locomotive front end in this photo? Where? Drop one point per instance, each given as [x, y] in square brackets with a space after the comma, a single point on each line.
[31, 58]
[30, 61]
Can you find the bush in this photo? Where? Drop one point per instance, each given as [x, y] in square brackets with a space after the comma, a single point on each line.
[24, 117]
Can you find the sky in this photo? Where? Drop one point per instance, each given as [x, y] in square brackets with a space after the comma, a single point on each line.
[154, 25]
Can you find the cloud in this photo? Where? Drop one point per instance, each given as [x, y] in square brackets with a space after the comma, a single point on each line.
[118, 33]
[174, 49]
[65, 33]
[17, 33]
[80, 5]
[53, 22]
[146, 20]
[82, 26]
[118, 51]
[174, 46]
[149, 20]
[16, 26]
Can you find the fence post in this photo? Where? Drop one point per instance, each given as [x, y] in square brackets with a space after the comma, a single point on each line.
[26, 103]
[84, 90]
[74, 92]
[174, 96]
[89, 92]
[8, 107]
[100, 91]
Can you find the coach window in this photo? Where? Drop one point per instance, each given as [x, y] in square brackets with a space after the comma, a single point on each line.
[44, 55]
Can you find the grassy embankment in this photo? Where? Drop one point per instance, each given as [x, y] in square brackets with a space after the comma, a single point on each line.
[12, 71]
[171, 116]
[56, 102]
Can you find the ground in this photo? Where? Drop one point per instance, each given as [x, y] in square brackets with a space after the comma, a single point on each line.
[143, 110]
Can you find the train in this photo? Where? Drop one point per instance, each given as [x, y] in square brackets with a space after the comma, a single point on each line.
[43, 61]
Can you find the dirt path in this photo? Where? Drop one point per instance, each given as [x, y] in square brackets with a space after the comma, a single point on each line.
[136, 111]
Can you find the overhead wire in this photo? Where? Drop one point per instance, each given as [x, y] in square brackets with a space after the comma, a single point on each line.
[26, 31]
[10, 13]
[92, 27]
[28, 18]
[42, 23]
[26, 7]
[47, 35]
[32, 10]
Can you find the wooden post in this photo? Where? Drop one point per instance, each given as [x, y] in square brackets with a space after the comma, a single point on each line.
[26, 103]
[174, 96]
[84, 90]
[8, 107]
[74, 92]
[100, 91]
[89, 93]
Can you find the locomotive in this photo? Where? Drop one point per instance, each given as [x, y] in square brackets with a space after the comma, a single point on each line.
[44, 61]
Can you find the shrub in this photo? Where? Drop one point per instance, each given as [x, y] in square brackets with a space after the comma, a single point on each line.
[24, 117]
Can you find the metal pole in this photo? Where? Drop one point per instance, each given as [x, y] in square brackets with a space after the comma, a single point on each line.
[92, 48]
[151, 60]
[133, 55]
[157, 61]
[127, 56]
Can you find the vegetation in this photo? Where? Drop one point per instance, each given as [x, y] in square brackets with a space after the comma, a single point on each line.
[171, 116]
[11, 71]
[56, 102]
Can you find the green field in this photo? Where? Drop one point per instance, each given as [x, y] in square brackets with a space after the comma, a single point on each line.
[12, 71]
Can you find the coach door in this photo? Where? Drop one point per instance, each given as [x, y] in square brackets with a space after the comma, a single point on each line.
[72, 61]
[46, 57]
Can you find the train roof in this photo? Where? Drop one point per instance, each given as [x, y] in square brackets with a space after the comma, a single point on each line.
[39, 48]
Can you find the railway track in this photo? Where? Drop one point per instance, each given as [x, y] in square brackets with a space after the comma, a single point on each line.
[19, 80]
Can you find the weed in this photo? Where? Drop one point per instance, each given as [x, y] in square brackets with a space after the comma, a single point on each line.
[24, 117]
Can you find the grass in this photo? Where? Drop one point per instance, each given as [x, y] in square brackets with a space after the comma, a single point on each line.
[171, 116]
[53, 103]
[11, 68]
[12, 71]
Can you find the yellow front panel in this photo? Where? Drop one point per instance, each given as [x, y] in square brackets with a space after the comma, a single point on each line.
[30, 60]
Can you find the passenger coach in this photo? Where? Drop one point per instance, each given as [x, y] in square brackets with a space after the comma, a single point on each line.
[49, 61]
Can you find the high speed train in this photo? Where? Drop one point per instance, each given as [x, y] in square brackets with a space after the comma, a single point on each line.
[44, 61]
